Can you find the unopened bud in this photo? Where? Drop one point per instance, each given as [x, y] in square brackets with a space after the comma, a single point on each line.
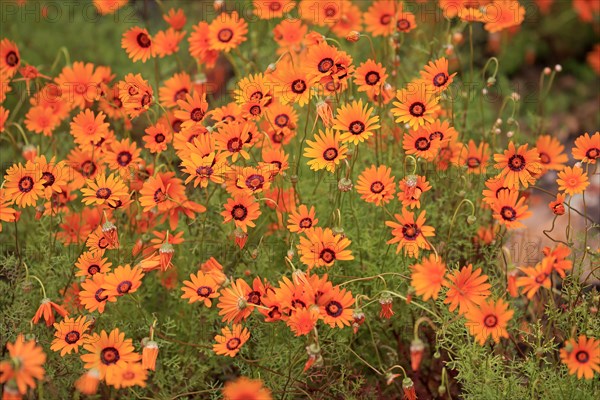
[345, 185]
[353, 36]
[471, 219]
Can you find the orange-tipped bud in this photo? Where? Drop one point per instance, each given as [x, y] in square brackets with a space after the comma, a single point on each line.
[149, 355]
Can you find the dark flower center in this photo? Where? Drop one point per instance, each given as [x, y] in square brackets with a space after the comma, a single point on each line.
[377, 187]
[372, 77]
[159, 138]
[305, 223]
[204, 291]
[274, 6]
[545, 158]
[109, 355]
[255, 182]
[436, 135]
[124, 287]
[255, 110]
[98, 296]
[12, 59]
[72, 337]
[282, 120]
[253, 297]
[48, 178]
[143, 40]
[26, 184]
[93, 269]
[124, 158]
[357, 127]
[204, 172]
[330, 11]
[103, 243]
[417, 109]
[422, 144]
[385, 19]
[180, 94]
[103, 193]
[239, 212]
[225, 35]
[327, 255]
[88, 168]
[410, 231]
[325, 65]
[146, 99]
[592, 153]
[159, 196]
[297, 303]
[440, 79]
[233, 343]
[516, 162]
[540, 278]
[582, 356]
[197, 114]
[508, 213]
[298, 86]
[403, 25]
[330, 154]
[334, 309]
[234, 145]
[473, 162]
[490, 321]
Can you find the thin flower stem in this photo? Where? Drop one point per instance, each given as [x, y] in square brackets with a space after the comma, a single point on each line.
[419, 322]
[456, 212]
[412, 302]
[41, 285]
[364, 361]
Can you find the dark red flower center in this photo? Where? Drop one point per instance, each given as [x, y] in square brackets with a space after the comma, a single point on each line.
[508, 213]
[516, 162]
[233, 343]
[98, 296]
[159, 138]
[26, 184]
[403, 24]
[88, 168]
[410, 231]
[103, 193]
[334, 308]
[417, 109]
[204, 291]
[372, 77]
[282, 120]
[440, 79]
[299, 86]
[48, 178]
[180, 94]
[124, 287]
[225, 35]
[582, 356]
[377, 187]
[325, 65]
[234, 144]
[305, 223]
[592, 153]
[239, 212]
[255, 110]
[253, 297]
[143, 40]
[159, 196]
[255, 182]
[473, 162]
[12, 59]
[124, 158]
[330, 154]
[72, 337]
[146, 99]
[204, 171]
[385, 19]
[93, 269]
[422, 144]
[327, 255]
[109, 355]
[490, 321]
[356, 127]
[436, 135]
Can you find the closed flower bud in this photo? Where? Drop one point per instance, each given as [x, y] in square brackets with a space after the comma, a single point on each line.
[408, 387]
[416, 353]
[345, 185]
[353, 36]
[149, 355]
[471, 219]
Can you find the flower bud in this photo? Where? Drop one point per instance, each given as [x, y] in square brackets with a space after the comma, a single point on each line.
[345, 185]
[471, 219]
[353, 36]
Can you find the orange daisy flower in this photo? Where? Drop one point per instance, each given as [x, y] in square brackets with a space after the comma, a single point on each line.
[104, 190]
[246, 389]
[123, 280]
[427, 278]
[293, 85]
[157, 138]
[495, 185]
[4, 117]
[417, 143]
[405, 20]
[231, 340]
[436, 75]
[474, 157]
[79, 84]
[587, 149]
[192, 110]
[227, 31]
[409, 233]
[108, 351]
[10, 59]
[243, 210]
[375, 185]
[558, 206]
[123, 156]
[30, 366]
[303, 320]
[503, 14]
[162, 191]
[336, 308]
[175, 18]
[90, 263]
[302, 219]
[572, 180]
[558, 256]
[70, 334]
[23, 185]
[321, 248]
[166, 42]
[271, 9]
[135, 94]
[416, 105]
[233, 139]
[127, 375]
[175, 88]
[467, 289]
[105, 7]
[490, 319]
[551, 153]
[276, 160]
[582, 356]
[233, 303]
[92, 296]
[370, 77]
[537, 277]
[7, 214]
[88, 128]
[138, 44]
[200, 45]
[355, 122]
[325, 152]
[379, 18]
[518, 165]
[202, 287]
[509, 211]
[40, 119]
